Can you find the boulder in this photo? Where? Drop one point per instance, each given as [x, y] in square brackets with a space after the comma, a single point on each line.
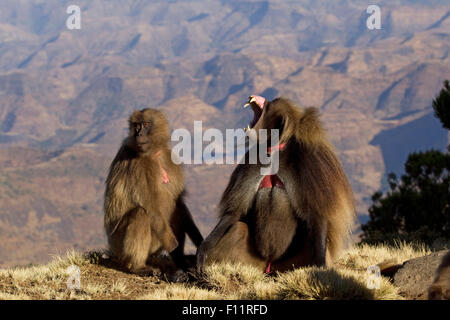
[416, 275]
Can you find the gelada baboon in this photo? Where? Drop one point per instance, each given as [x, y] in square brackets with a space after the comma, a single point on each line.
[302, 215]
[440, 289]
[145, 213]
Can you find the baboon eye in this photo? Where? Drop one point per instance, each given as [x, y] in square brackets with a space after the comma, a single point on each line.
[146, 124]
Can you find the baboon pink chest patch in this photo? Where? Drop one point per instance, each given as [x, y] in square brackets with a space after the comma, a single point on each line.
[165, 176]
[272, 180]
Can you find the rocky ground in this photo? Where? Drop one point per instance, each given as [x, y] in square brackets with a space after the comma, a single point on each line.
[347, 279]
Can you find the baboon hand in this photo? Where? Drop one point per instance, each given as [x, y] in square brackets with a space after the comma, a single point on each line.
[177, 276]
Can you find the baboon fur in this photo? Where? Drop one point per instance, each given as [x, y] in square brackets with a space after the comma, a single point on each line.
[145, 213]
[306, 222]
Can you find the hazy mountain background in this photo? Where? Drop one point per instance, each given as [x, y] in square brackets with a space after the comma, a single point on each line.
[65, 95]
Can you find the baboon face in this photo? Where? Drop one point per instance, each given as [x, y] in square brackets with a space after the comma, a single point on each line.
[148, 130]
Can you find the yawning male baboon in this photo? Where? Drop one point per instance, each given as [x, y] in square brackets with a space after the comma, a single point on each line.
[301, 215]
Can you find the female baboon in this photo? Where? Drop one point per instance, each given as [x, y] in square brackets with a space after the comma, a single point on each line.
[144, 208]
[302, 215]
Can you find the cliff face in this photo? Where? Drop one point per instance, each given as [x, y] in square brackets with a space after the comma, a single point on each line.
[65, 95]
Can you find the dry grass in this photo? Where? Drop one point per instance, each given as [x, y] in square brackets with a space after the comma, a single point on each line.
[345, 280]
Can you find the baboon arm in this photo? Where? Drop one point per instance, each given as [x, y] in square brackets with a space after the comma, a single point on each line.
[320, 245]
[189, 224]
[211, 241]
[236, 201]
[161, 228]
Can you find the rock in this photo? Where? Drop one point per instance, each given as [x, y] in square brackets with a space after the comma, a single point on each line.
[416, 275]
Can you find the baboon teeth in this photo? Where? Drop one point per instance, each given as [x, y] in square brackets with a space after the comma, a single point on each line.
[246, 105]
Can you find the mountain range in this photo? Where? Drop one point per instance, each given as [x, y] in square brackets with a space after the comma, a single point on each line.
[65, 95]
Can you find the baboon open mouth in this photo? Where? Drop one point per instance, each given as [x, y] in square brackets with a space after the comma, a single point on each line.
[257, 112]
[257, 104]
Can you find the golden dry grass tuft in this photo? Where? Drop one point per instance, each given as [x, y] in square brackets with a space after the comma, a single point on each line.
[99, 280]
